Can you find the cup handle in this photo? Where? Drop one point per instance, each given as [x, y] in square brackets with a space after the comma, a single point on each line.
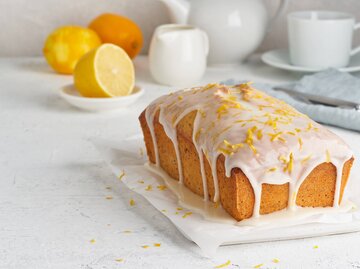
[206, 42]
[357, 49]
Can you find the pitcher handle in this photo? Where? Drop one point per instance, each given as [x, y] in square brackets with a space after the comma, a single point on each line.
[357, 49]
[279, 12]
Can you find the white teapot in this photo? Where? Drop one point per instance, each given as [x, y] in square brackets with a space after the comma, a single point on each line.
[235, 27]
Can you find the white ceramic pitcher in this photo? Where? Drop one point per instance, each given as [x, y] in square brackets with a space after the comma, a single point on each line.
[235, 27]
[177, 54]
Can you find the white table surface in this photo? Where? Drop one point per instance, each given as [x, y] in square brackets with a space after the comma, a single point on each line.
[53, 186]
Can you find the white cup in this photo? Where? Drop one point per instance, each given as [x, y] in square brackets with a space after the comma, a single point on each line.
[178, 54]
[321, 38]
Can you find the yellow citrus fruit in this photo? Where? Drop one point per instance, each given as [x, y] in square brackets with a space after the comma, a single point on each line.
[120, 31]
[65, 46]
[106, 71]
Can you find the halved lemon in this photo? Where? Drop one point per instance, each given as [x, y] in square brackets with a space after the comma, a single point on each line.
[106, 71]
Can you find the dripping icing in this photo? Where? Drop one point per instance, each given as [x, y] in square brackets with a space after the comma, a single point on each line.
[242, 115]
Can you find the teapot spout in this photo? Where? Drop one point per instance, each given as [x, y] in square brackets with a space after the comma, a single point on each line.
[178, 10]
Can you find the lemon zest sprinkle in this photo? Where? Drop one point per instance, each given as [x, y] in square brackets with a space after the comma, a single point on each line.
[315, 247]
[300, 143]
[258, 265]
[157, 245]
[275, 260]
[272, 169]
[289, 164]
[92, 241]
[145, 246]
[148, 188]
[132, 202]
[161, 187]
[119, 260]
[223, 265]
[120, 177]
[187, 214]
[141, 181]
[328, 157]
[303, 161]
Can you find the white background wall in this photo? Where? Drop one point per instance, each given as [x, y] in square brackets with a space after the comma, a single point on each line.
[26, 23]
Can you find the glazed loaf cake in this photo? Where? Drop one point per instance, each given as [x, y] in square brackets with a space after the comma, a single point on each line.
[249, 152]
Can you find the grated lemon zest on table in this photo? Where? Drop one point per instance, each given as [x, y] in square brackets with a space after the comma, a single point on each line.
[127, 232]
[275, 260]
[132, 202]
[145, 246]
[164, 210]
[315, 247]
[141, 181]
[119, 260]
[187, 214]
[179, 208]
[157, 245]
[148, 188]
[223, 265]
[162, 187]
[258, 265]
[121, 175]
[92, 241]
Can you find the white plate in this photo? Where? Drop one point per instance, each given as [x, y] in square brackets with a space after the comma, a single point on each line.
[72, 96]
[280, 59]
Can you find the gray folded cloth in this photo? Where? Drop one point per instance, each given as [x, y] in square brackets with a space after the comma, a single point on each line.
[330, 83]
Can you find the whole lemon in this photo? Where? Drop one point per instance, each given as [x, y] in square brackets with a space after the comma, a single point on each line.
[65, 46]
[120, 31]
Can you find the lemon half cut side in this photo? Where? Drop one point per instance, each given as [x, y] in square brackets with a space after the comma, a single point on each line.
[106, 71]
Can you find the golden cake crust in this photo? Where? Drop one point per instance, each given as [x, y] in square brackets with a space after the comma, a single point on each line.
[236, 192]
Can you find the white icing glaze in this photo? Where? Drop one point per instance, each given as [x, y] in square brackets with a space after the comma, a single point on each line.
[267, 139]
[214, 212]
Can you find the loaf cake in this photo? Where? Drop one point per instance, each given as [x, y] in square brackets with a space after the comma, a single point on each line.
[244, 150]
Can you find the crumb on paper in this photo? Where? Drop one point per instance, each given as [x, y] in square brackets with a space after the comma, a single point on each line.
[132, 202]
[157, 245]
[141, 150]
[108, 224]
[119, 260]
[187, 214]
[127, 232]
[216, 204]
[108, 188]
[275, 260]
[164, 210]
[148, 188]
[145, 246]
[141, 181]
[258, 265]
[223, 265]
[122, 174]
[315, 247]
[162, 187]
[92, 241]
[177, 213]
[109, 197]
